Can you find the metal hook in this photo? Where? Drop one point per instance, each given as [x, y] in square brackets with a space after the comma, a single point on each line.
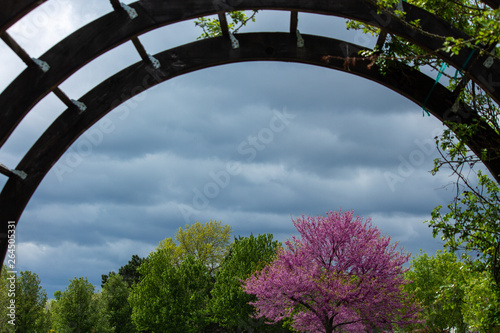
[234, 42]
[300, 40]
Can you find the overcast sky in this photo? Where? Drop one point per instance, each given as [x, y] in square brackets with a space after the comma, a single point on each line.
[250, 144]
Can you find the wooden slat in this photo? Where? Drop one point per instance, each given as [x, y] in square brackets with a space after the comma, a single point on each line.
[382, 37]
[116, 4]
[63, 97]
[4, 170]
[140, 48]
[223, 24]
[21, 53]
[11, 173]
[294, 19]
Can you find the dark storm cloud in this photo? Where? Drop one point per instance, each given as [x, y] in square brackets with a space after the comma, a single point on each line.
[200, 116]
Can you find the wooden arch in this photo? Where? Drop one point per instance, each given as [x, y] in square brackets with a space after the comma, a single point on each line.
[118, 27]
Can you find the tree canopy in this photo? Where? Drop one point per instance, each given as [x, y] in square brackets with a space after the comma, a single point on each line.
[453, 293]
[207, 243]
[341, 274]
[79, 309]
[128, 272]
[115, 293]
[229, 305]
[30, 300]
[171, 298]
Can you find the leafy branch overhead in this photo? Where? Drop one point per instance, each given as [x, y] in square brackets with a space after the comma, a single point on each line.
[477, 20]
[468, 224]
[212, 27]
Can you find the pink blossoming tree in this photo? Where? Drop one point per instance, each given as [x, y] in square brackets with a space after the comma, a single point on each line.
[340, 275]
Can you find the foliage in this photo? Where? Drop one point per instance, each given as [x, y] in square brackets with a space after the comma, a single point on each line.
[25, 295]
[101, 316]
[207, 242]
[115, 293]
[30, 304]
[169, 297]
[438, 283]
[229, 304]
[212, 28]
[470, 221]
[128, 272]
[474, 18]
[342, 274]
[5, 299]
[453, 293]
[78, 309]
[481, 312]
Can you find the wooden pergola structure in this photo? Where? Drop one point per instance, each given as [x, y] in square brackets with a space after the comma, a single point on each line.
[126, 23]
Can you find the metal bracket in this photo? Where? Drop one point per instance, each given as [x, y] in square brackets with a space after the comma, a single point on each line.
[11, 172]
[490, 60]
[81, 106]
[20, 174]
[234, 42]
[42, 64]
[300, 40]
[399, 6]
[132, 13]
[155, 62]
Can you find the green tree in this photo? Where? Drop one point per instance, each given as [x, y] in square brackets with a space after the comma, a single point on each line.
[438, 283]
[102, 316]
[128, 271]
[207, 243]
[453, 293]
[229, 304]
[481, 302]
[170, 297]
[5, 298]
[115, 293]
[30, 304]
[469, 223]
[78, 310]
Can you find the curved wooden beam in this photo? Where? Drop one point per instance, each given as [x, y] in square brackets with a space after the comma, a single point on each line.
[116, 28]
[139, 77]
[13, 10]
